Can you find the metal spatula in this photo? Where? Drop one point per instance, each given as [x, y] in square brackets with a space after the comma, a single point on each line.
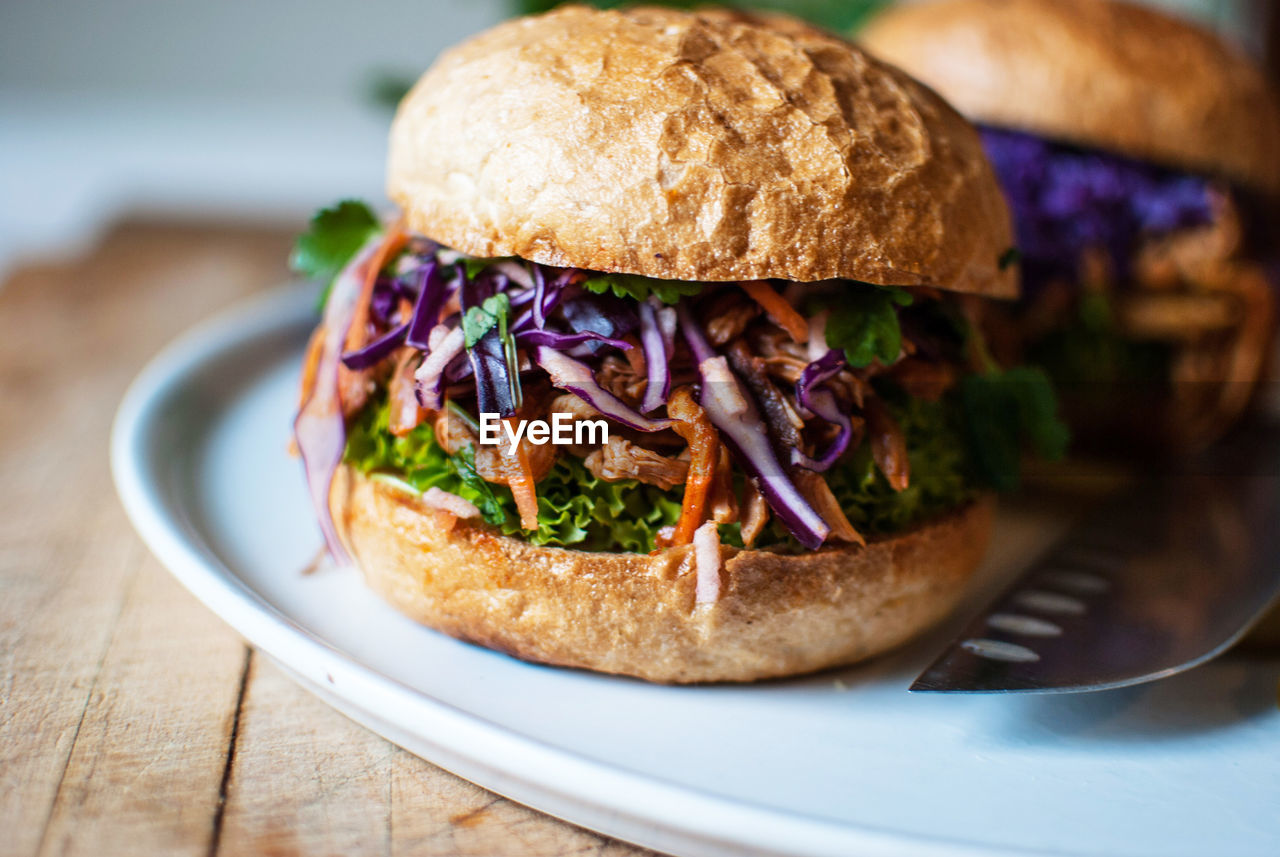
[1156, 582]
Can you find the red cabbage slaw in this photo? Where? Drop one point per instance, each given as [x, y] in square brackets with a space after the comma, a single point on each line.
[320, 429]
[1067, 199]
[449, 314]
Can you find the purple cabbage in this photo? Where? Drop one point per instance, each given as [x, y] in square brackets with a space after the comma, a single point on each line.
[319, 429]
[608, 316]
[577, 377]
[497, 385]
[377, 350]
[565, 341]
[385, 299]
[658, 386]
[539, 296]
[431, 375]
[731, 410]
[819, 400]
[433, 291]
[1066, 199]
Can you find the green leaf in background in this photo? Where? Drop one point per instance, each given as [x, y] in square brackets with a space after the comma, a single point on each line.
[839, 16]
[864, 323]
[387, 89]
[335, 235]
[1005, 411]
[639, 288]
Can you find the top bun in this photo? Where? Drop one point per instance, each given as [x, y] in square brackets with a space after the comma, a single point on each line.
[1096, 73]
[711, 146]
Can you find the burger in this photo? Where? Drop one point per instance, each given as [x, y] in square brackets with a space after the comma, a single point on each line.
[668, 365]
[1141, 158]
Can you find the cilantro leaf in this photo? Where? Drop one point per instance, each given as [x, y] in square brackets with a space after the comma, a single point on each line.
[479, 320]
[1011, 256]
[1003, 411]
[865, 324]
[463, 463]
[334, 236]
[639, 288]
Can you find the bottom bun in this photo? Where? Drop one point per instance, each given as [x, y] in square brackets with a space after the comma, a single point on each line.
[635, 614]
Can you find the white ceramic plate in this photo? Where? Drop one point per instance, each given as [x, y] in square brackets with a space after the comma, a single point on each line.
[838, 764]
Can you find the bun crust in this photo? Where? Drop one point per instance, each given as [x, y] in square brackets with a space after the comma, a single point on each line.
[1097, 73]
[696, 146]
[635, 614]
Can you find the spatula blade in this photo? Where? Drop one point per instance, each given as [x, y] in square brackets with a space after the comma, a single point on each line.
[1159, 581]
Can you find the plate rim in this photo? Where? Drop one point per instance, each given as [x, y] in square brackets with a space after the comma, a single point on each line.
[680, 819]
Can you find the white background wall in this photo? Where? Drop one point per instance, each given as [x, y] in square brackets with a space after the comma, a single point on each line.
[250, 108]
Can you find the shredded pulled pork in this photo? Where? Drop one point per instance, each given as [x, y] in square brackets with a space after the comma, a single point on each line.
[755, 515]
[622, 459]
[493, 463]
[406, 412]
[888, 445]
[453, 504]
[817, 492]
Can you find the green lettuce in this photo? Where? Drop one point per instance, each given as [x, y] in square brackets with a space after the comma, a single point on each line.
[578, 509]
[575, 507]
[639, 288]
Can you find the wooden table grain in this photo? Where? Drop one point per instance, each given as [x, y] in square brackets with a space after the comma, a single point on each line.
[132, 720]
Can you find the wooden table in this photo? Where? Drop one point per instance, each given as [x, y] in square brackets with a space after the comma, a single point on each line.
[132, 720]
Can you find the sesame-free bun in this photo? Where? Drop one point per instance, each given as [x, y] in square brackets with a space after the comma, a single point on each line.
[696, 146]
[1096, 73]
[635, 614]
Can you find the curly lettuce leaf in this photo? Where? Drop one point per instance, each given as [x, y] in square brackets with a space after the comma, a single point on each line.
[575, 507]
[957, 446]
[639, 288]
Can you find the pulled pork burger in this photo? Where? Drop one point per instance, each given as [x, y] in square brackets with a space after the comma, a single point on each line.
[668, 367]
[1140, 156]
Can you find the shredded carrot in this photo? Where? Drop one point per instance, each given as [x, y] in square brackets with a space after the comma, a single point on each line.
[888, 444]
[783, 313]
[523, 487]
[310, 365]
[691, 423]
[353, 385]
[358, 332]
[406, 413]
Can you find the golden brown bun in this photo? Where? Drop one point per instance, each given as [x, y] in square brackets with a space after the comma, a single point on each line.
[634, 614]
[704, 147]
[1097, 73]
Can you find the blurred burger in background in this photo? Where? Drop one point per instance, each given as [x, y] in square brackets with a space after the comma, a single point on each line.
[1141, 157]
